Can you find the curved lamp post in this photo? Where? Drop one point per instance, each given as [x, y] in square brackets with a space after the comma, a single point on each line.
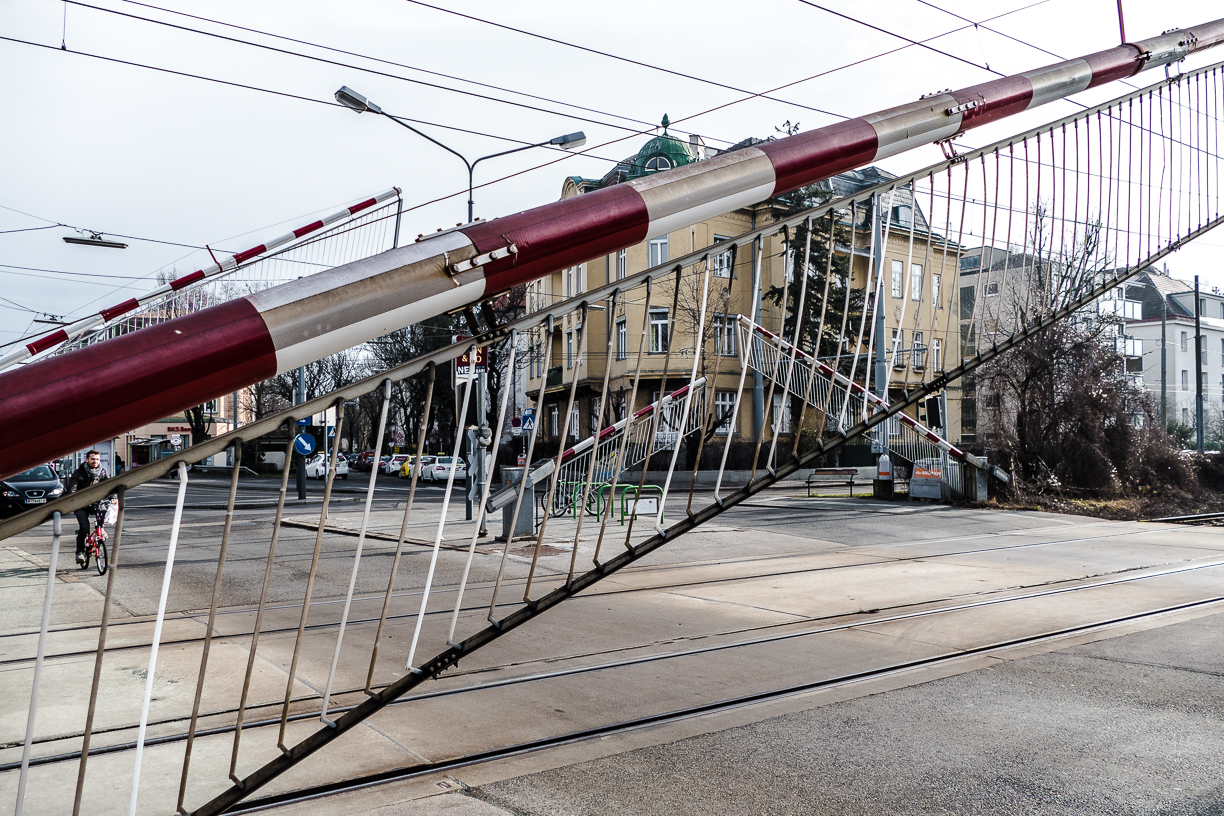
[351, 99]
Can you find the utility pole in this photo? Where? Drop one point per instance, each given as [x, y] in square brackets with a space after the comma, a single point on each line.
[1164, 381]
[1198, 368]
[877, 240]
[301, 460]
[881, 364]
[758, 382]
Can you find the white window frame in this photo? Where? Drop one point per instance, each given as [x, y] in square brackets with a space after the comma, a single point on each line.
[724, 402]
[657, 251]
[720, 264]
[898, 359]
[622, 339]
[659, 319]
[656, 164]
[898, 279]
[573, 423]
[917, 352]
[569, 349]
[937, 354]
[724, 334]
[781, 415]
[916, 282]
[622, 264]
[936, 286]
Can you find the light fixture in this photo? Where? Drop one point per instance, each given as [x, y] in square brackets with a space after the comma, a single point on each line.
[570, 141]
[351, 99]
[95, 239]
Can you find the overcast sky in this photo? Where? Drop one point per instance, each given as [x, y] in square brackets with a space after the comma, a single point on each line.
[109, 133]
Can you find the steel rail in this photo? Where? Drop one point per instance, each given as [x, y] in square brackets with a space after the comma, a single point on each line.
[690, 712]
[591, 596]
[1076, 585]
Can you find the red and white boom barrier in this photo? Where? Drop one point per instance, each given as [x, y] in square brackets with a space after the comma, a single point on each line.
[62, 404]
[875, 401]
[100, 319]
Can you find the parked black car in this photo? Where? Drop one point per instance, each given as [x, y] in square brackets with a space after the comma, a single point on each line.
[25, 490]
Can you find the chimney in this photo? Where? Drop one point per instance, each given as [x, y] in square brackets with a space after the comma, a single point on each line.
[699, 148]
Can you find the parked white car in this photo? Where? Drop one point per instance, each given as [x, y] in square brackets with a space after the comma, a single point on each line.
[439, 469]
[393, 464]
[316, 467]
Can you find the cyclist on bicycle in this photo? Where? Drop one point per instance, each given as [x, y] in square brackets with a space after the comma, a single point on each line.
[87, 475]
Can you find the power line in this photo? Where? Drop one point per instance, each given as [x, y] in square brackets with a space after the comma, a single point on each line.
[921, 43]
[398, 64]
[349, 65]
[284, 94]
[30, 229]
[8, 270]
[617, 57]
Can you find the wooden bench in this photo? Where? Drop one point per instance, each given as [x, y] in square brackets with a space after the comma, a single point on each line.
[829, 477]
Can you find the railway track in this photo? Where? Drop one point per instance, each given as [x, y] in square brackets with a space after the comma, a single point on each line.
[745, 638]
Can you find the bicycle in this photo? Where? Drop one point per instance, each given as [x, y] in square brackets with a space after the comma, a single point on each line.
[95, 542]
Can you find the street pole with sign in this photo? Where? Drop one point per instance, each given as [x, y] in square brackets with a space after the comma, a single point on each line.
[299, 398]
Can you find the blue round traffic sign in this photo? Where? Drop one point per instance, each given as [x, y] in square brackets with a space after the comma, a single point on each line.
[304, 444]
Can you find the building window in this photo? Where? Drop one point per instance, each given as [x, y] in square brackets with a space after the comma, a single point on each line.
[898, 272]
[1185, 416]
[903, 215]
[898, 360]
[1203, 307]
[935, 287]
[918, 352]
[968, 340]
[569, 349]
[596, 405]
[573, 423]
[656, 164]
[992, 289]
[657, 251]
[916, 282]
[569, 282]
[622, 264]
[724, 334]
[622, 339]
[554, 417]
[781, 415]
[937, 354]
[1185, 343]
[578, 346]
[968, 298]
[720, 264]
[724, 405]
[658, 330]
[1185, 380]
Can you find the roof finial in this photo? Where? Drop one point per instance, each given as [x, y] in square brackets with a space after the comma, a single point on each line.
[666, 122]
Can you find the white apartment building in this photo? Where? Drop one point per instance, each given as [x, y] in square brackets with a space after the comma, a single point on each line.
[1144, 299]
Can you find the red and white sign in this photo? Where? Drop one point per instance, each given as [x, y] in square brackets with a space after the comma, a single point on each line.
[470, 364]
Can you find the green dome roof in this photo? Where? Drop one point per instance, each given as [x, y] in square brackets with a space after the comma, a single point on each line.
[663, 152]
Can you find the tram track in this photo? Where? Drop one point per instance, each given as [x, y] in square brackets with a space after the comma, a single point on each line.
[872, 617]
[195, 615]
[677, 715]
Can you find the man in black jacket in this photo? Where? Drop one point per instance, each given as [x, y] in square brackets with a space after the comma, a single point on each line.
[87, 475]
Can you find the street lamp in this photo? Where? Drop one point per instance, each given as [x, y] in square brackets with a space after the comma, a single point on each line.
[351, 99]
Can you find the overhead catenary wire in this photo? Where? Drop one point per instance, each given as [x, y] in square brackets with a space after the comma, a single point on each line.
[360, 68]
